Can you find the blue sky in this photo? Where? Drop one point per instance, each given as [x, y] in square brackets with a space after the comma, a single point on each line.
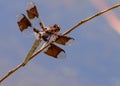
[93, 61]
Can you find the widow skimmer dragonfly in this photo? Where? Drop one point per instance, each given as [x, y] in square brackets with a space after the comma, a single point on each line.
[44, 34]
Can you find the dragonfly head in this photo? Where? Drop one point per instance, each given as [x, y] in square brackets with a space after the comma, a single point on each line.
[57, 28]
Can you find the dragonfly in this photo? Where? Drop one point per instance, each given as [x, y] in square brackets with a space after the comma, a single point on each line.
[45, 33]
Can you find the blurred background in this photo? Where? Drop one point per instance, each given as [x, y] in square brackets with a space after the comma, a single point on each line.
[93, 61]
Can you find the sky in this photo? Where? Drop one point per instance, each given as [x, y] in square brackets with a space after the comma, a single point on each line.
[93, 61]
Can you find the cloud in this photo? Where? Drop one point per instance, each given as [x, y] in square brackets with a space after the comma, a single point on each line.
[111, 17]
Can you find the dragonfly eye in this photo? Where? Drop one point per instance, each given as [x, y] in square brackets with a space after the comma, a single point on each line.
[57, 27]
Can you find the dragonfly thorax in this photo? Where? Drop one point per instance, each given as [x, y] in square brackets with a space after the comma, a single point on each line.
[43, 34]
[53, 29]
[47, 32]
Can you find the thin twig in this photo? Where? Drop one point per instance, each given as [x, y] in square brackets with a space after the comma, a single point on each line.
[65, 33]
[90, 18]
[11, 72]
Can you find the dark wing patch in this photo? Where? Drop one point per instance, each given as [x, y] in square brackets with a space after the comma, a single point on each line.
[55, 51]
[32, 10]
[23, 22]
[65, 40]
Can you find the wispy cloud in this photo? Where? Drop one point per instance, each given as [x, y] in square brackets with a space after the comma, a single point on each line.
[111, 17]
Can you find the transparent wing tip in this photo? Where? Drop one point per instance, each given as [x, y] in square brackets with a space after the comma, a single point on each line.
[19, 17]
[71, 42]
[62, 55]
[30, 5]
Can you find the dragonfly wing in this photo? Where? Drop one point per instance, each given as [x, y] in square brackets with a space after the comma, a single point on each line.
[32, 50]
[65, 40]
[32, 10]
[55, 51]
[23, 22]
[33, 14]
